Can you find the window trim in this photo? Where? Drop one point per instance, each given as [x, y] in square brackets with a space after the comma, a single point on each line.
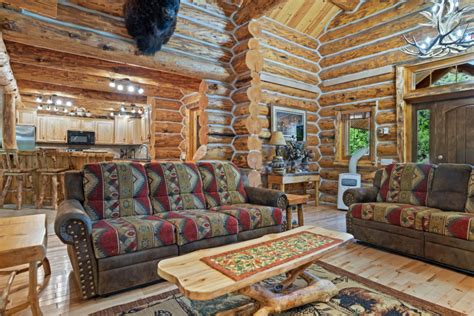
[342, 134]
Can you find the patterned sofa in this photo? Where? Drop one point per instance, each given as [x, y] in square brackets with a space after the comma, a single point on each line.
[120, 219]
[421, 210]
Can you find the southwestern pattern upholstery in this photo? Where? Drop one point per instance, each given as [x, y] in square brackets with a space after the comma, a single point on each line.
[112, 237]
[120, 219]
[452, 224]
[115, 190]
[194, 225]
[223, 183]
[431, 218]
[252, 216]
[175, 187]
[405, 183]
[404, 215]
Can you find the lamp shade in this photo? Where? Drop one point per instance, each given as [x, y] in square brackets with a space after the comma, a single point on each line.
[278, 139]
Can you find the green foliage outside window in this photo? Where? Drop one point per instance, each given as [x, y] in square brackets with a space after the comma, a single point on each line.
[423, 132]
[451, 78]
[358, 139]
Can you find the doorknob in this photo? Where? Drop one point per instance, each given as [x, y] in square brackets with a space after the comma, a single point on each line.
[440, 157]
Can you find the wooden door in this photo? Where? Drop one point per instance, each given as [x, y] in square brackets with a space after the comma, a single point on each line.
[452, 131]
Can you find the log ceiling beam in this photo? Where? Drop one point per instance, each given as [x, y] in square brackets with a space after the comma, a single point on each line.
[23, 29]
[47, 8]
[39, 88]
[35, 56]
[346, 5]
[253, 9]
[87, 82]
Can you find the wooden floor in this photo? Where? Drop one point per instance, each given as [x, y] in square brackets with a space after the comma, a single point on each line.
[422, 280]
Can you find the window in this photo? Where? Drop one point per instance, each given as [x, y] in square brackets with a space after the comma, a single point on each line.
[355, 131]
[455, 74]
[422, 141]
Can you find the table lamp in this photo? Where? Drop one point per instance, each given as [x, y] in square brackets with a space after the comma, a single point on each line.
[278, 163]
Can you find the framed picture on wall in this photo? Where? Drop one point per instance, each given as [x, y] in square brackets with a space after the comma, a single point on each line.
[291, 122]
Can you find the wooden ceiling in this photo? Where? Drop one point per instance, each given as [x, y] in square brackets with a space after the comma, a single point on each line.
[307, 16]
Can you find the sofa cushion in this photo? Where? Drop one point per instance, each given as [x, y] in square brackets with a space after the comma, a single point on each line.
[112, 237]
[453, 224]
[194, 225]
[223, 183]
[113, 190]
[449, 187]
[175, 187]
[251, 216]
[470, 195]
[405, 183]
[403, 215]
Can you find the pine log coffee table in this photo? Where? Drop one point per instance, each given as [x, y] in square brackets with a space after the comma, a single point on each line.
[208, 274]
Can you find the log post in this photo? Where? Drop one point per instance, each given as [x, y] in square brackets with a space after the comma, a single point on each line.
[9, 121]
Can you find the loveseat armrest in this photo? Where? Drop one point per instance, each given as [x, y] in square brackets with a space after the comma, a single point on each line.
[71, 213]
[267, 197]
[360, 195]
[74, 227]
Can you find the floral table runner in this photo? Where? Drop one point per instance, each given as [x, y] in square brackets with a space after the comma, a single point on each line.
[241, 263]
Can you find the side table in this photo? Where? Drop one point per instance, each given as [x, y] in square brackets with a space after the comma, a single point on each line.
[298, 201]
[23, 241]
[290, 178]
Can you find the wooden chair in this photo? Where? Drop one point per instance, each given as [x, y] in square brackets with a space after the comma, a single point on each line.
[12, 170]
[50, 170]
[4, 300]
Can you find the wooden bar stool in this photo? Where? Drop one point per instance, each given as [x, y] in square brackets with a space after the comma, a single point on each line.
[50, 170]
[298, 201]
[12, 170]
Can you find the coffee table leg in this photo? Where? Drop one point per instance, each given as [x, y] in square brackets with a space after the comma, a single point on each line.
[33, 289]
[317, 291]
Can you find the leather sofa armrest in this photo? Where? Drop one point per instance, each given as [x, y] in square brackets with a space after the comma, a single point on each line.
[74, 227]
[360, 195]
[71, 213]
[267, 197]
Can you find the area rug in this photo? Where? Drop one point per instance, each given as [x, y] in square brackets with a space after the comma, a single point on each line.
[357, 296]
[241, 263]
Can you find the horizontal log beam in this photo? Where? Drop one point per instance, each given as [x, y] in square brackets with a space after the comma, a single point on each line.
[88, 82]
[43, 7]
[36, 56]
[253, 9]
[39, 33]
[39, 88]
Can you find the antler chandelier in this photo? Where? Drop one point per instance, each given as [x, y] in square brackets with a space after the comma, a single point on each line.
[453, 33]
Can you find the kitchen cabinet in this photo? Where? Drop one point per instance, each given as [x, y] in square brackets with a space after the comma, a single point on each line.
[26, 117]
[121, 127]
[134, 131]
[104, 132]
[88, 125]
[145, 130]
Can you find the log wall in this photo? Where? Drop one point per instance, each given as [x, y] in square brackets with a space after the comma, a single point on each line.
[275, 65]
[360, 51]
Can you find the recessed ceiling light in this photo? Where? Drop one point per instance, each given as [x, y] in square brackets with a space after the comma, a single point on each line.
[69, 103]
[59, 102]
[131, 88]
[50, 101]
[141, 91]
[39, 99]
[120, 87]
[112, 84]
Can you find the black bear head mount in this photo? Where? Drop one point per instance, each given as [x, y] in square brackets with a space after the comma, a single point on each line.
[151, 22]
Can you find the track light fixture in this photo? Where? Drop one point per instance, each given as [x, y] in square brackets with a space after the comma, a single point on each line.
[125, 85]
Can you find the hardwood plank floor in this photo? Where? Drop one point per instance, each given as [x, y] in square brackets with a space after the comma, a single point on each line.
[425, 281]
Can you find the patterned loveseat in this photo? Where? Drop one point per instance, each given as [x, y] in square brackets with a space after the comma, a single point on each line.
[426, 211]
[120, 219]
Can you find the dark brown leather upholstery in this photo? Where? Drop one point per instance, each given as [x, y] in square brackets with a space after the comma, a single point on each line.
[448, 192]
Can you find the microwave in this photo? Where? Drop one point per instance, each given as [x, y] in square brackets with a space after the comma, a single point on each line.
[80, 138]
